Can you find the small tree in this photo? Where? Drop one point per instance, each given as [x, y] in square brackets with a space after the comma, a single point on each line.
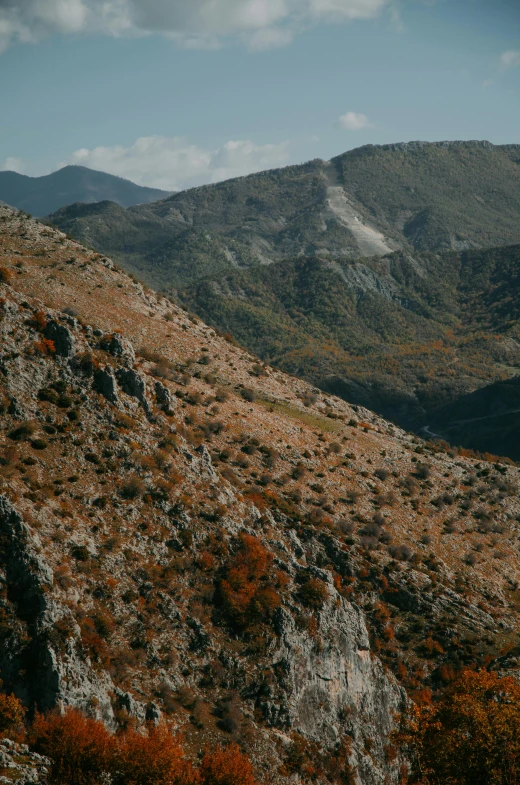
[12, 714]
[244, 591]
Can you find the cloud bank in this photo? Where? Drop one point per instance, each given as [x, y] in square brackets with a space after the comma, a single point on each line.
[354, 121]
[509, 59]
[172, 163]
[259, 24]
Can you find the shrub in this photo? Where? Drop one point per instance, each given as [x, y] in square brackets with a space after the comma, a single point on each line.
[248, 394]
[45, 347]
[226, 767]
[132, 488]
[381, 474]
[151, 758]
[401, 552]
[422, 471]
[313, 593]
[81, 749]
[23, 431]
[471, 736]
[6, 275]
[244, 591]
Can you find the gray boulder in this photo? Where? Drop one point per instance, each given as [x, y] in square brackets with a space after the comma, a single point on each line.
[61, 337]
[133, 384]
[164, 398]
[105, 383]
[118, 346]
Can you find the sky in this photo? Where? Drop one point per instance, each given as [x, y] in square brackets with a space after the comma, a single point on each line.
[177, 93]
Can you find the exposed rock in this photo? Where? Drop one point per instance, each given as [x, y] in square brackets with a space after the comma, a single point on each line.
[127, 702]
[20, 765]
[164, 398]
[57, 676]
[133, 384]
[118, 346]
[205, 464]
[333, 684]
[105, 384]
[62, 338]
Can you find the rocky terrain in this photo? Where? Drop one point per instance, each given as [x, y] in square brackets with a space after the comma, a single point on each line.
[193, 536]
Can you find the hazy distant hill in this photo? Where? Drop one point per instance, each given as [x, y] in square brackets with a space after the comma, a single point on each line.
[42, 195]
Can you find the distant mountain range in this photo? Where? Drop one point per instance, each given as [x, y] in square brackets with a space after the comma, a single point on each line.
[389, 275]
[40, 196]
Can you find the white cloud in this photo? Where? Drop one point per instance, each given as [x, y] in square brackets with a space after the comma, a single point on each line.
[509, 59]
[172, 163]
[354, 121]
[260, 24]
[12, 165]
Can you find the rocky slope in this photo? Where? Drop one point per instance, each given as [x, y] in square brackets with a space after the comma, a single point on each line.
[43, 195]
[192, 535]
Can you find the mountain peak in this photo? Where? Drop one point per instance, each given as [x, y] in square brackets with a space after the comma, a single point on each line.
[71, 184]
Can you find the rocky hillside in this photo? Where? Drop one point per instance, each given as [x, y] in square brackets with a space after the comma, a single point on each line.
[190, 534]
[43, 195]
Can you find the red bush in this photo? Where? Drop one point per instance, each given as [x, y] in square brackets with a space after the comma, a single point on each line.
[153, 758]
[81, 749]
[245, 596]
[83, 752]
[226, 767]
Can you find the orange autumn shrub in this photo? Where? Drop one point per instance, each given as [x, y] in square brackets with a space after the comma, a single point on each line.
[471, 736]
[152, 758]
[83, 752]
[81, 749]
[226, 766]
[244, 591]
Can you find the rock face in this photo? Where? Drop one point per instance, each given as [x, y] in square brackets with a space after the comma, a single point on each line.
[164, 398]
[116, 345]
[57, 675]
[333, 684]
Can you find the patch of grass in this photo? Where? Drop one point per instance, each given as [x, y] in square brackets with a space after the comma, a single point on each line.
[312, 420]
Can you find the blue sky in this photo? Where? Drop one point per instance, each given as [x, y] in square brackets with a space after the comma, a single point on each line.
[174, 93]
